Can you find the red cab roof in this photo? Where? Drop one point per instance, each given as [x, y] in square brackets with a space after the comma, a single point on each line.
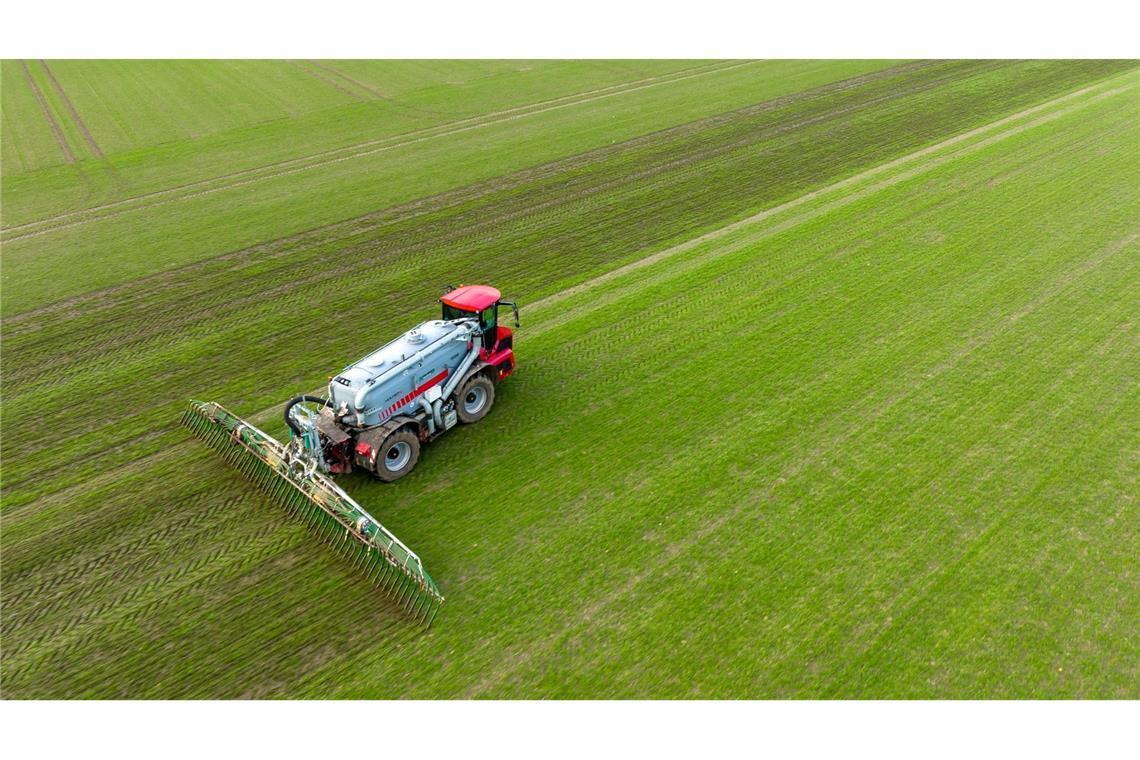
[472, 297]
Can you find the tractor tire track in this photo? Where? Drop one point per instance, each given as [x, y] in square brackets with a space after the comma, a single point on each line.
[320, 76]
[87, 136]
[353, 81]
[55, 128]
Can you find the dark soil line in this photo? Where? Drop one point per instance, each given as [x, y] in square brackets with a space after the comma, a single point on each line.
[55, 130]
[74, 113]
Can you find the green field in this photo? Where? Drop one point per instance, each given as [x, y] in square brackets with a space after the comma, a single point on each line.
[828, 375]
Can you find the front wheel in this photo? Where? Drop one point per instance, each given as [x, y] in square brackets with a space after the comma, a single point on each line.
[475, 399]
[397, 455]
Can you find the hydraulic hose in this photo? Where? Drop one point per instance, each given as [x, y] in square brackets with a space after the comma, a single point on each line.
[300, 400]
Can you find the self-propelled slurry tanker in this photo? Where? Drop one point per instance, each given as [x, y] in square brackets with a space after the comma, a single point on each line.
[376, 415]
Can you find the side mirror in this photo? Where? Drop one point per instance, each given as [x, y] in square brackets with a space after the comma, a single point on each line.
[515, 309]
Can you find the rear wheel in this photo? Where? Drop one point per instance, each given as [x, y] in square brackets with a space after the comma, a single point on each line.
[397, 455]
[475, 399]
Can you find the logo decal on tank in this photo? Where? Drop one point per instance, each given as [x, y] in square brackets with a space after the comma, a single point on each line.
[409, 397]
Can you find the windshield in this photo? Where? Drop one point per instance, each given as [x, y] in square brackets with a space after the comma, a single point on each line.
[450, 312]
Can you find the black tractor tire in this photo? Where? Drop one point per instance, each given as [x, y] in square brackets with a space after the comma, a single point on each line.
[474, 399]
[397, 455]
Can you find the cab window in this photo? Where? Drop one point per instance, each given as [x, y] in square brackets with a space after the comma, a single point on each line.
[488, 318]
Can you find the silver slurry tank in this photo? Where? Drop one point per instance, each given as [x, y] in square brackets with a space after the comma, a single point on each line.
[388, 380]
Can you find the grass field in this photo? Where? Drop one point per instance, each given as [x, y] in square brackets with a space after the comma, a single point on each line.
[828, 377]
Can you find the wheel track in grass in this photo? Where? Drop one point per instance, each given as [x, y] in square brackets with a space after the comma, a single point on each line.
[321, 76]
[538, 305]
[372, 91]
[68, 155]
[87, 136]
[335, 155]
